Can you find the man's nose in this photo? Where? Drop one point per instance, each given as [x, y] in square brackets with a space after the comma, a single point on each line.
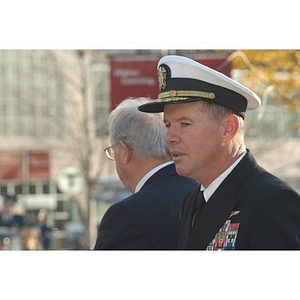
[171, 136]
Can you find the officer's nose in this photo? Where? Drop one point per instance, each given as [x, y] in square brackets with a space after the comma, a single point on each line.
[171, 137]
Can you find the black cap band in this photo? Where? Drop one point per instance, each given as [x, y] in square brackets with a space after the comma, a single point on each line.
[223, 96]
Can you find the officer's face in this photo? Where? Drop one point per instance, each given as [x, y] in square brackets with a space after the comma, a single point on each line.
[193, 139]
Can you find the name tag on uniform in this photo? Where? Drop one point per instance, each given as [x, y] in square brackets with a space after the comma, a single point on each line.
[225, 238]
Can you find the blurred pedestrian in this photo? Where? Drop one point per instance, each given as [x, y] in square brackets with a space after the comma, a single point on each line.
[8, 217]
[150, 217]
[239, 205]
[29, 238]
[45, 232]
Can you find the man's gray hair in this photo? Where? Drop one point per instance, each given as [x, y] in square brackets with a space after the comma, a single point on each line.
[216, 113]
[144, 133]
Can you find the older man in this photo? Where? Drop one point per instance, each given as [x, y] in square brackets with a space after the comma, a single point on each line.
[239, 204]
[149, 219]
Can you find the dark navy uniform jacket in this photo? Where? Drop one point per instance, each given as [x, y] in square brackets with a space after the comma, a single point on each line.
[251, 209]
[148, 219]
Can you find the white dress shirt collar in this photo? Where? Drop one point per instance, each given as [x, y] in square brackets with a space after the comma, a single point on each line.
[149, 174]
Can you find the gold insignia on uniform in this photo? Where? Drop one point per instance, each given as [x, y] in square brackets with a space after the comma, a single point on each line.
[162, 78]
[233, 213]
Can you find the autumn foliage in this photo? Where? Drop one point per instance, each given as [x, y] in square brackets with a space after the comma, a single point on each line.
[279, 69]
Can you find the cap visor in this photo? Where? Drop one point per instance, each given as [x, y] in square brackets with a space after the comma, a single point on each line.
[153, 107]
[157, 106]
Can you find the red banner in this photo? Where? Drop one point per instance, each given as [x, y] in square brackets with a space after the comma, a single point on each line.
[38, 166]
[133, 78]
[138, 77]
[10, 166]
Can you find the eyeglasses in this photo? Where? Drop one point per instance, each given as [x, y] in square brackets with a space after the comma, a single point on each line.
[110, 153]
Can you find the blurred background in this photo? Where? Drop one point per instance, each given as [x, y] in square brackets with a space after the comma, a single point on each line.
[55, 181]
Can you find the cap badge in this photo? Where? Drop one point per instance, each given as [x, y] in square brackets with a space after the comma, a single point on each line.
[162, 78]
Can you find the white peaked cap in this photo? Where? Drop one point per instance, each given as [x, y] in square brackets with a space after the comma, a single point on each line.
[183, 80]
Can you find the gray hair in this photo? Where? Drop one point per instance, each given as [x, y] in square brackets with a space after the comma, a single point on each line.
[216, 113]
[144, 133]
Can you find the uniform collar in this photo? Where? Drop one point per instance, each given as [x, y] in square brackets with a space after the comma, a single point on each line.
[207, 192]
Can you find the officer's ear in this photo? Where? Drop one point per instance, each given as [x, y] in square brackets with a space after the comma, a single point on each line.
[125, 152]
[231, 126]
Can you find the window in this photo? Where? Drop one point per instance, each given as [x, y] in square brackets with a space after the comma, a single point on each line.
[30, 103]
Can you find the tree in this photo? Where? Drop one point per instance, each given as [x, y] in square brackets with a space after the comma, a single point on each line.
[273, 74]
[78, 81]
[277, 68]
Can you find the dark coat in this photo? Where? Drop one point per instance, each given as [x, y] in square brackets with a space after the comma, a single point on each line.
[148, 219]
[14, 221]
[265, 213]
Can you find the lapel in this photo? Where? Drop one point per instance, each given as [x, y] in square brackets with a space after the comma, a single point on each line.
[188, 209]
[220, 205]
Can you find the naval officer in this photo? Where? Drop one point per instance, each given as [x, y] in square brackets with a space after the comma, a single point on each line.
[239, 205]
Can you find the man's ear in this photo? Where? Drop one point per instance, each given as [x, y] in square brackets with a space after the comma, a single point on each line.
[125, 152]
[231, 127]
